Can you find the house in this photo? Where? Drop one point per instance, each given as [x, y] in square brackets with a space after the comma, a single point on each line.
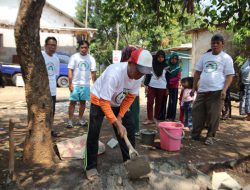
[54, 22]
[201, 38]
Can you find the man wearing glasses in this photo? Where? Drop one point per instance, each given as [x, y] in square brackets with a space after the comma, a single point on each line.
[81, 68]
[52, 64]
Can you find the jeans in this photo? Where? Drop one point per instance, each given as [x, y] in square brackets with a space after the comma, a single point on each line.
[187, 107]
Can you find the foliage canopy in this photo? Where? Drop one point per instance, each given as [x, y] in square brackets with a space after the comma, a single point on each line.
[160, 23]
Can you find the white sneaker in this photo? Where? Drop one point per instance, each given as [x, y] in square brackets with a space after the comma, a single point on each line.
[69, 125]
[83, 122]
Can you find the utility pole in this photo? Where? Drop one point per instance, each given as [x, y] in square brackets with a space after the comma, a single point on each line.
[86, 16]
[118, 35]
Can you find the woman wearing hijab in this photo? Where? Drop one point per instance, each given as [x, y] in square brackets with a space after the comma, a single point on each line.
[245, 88]
[173, 76]
[156, 87]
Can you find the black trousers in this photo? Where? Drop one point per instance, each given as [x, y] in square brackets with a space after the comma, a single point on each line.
[172, 103]
[53, 104]
[95, 123]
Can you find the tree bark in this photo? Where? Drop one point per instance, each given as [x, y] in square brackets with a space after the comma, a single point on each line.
[38, 143]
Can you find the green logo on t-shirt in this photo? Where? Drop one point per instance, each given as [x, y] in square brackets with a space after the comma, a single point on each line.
[51, 69]
[210, 67]
[83, 66]
[119, 98]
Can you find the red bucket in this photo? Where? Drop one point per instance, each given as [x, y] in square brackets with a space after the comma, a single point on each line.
[171, 134]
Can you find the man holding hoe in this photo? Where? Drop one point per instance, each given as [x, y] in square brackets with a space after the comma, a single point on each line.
[111, 96]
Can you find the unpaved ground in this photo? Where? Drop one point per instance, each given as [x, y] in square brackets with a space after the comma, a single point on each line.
[234, 143]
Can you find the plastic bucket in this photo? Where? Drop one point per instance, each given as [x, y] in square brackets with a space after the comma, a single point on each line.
[171, 134]
[148, 136]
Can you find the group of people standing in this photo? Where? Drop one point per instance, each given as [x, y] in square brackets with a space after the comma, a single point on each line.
[200, 104]
[161, 89]
[81, 68]
[115, 94]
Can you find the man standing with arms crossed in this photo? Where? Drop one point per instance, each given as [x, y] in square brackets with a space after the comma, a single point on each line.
[215, 72]
[81, 68]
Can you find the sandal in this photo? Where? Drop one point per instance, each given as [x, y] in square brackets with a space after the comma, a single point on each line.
[186, 129]
[92, 174]
[209, 141]
[147, 122]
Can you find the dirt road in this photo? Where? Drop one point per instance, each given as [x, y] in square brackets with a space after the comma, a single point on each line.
[234, 142]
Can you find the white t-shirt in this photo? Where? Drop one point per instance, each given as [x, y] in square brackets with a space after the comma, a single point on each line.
[114, 84]
[158, 82]
[82, 67]
[53, 66]
[186, 97]
[214, 69]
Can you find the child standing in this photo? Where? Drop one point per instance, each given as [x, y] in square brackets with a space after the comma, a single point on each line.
[187, 102]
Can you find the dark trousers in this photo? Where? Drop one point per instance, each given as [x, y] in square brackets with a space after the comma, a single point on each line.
[135, 109]
[53, 104]
[172, 103]
[2, 81]
[95, 123]
[154, 95]
[227, 107]
[187, 108]
[206, 108]
[162, 114]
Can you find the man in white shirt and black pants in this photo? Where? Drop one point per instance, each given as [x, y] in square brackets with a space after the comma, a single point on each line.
[52, 64]
[215, 72]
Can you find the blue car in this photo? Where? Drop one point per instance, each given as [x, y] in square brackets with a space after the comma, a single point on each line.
[10, 71]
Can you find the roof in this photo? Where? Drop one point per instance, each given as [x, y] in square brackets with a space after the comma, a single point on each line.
[55, 30]
[195, 30]
[182, 47]
[77, 22]
[79, 29]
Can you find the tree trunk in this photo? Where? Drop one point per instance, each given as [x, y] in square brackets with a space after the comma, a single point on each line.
[38, 143]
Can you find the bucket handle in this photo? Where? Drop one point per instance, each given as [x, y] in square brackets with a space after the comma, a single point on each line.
[176, 138]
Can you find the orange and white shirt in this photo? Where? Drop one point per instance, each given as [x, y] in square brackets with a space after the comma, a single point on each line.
[114, 88]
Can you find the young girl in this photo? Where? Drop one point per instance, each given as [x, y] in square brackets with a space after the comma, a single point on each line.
[187, 101]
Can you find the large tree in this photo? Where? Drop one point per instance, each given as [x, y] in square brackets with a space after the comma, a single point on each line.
[38, 143]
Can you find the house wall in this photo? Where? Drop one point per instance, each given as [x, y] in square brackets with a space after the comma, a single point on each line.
[8, 49]
[50, 18]
[66, 43]
[201, 43]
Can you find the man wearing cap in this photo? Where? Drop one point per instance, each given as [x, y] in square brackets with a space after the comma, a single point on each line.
[215, 73]
[111, 96]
